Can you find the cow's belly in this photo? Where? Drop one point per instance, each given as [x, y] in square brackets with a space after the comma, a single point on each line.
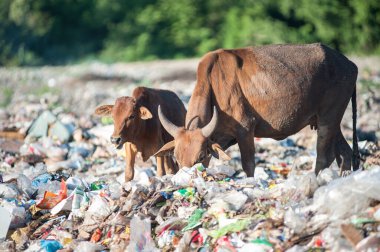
[283, 116]
[268, 129]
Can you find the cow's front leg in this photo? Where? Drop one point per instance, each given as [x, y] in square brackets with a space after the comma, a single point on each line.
[160, 166]
[206, 162]
[130, 155]
[246, 144]
[170, 167]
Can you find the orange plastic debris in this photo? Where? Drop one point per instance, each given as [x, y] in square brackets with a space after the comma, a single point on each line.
[96, 235]
[50, 199]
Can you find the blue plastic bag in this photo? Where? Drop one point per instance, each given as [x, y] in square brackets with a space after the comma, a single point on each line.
[51, 245]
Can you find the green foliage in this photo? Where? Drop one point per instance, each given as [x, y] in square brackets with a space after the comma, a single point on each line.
[63, 31]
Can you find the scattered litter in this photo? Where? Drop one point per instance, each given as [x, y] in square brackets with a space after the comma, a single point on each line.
[5, 222]
[141, 239]
[62, 189]
[50, 245]
[47, 124]
[233, 227]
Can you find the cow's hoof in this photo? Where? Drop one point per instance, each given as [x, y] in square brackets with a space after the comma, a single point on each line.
[345, 173]
[128, 178]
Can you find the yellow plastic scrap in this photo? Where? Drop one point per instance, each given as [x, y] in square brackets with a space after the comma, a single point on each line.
[283, 170]
[66, 241]
[272, 184]
[34, 209]
[19, 234]
[106, 242]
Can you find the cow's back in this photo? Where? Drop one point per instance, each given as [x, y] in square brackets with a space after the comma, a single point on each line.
[170, 104]
[282, 86]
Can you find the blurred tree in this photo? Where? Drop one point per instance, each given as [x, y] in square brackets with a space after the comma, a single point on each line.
[64, 31]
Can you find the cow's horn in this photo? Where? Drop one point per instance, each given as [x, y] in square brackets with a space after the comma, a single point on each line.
[169, 126]
[193, 124]
[210, 127]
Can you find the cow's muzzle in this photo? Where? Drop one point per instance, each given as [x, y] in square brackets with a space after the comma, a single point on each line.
[115, 140]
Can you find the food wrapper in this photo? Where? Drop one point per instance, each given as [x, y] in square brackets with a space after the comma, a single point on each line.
[96, 235]
[51, 199]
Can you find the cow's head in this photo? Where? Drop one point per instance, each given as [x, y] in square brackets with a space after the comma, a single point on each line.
[127, 116]
[191, 146]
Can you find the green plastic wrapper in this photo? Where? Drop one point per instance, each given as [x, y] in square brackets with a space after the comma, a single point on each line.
[231, 228]
[185, 192]
[194, 219]
[262, 241]
[97, 185]
[360, 221]
[200, 167]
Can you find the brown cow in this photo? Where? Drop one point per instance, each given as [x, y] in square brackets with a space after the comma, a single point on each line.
[269, 91]
[137, 127]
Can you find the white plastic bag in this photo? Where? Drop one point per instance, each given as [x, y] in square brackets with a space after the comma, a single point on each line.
[183, 176]
[346, 196]
[141, 239]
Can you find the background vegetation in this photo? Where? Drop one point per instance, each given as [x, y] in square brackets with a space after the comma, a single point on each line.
[65, 31]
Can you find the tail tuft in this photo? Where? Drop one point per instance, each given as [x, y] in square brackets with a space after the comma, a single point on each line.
[355, 154]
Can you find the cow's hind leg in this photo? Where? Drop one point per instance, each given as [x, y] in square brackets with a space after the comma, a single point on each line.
[160, 166]
[325, 147]
[343, 154]
[329, 117]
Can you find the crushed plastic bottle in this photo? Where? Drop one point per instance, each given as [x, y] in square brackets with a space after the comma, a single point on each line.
[141, 240]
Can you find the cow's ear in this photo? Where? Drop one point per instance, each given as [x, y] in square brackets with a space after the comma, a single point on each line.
[218, 152]
[145, 113]
[166, 149]
[104, 110]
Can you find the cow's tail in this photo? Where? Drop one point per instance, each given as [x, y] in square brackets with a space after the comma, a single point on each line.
[355, 153]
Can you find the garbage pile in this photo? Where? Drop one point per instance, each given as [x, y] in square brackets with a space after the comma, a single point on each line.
[62, 189]
[62, 184]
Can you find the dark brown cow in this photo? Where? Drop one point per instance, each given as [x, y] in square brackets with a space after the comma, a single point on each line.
[269, 91]
[137, 127]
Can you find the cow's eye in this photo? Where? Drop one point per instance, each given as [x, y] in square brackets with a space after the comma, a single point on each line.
[131, 117]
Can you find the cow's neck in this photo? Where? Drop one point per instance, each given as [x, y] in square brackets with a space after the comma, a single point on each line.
[138, 134]
[142, 139]
[201, 101]
[200, 105]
